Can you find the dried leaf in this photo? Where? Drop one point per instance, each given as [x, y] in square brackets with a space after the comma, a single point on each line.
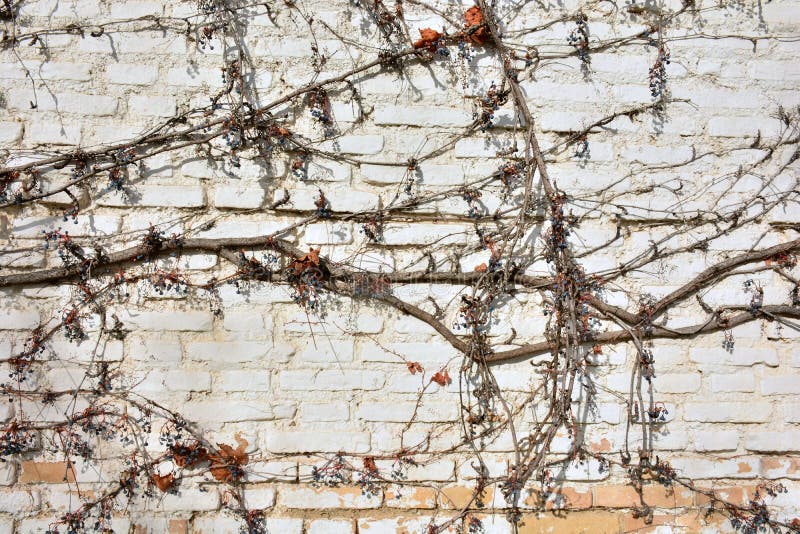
[442, 378]
[163, 483]
[414, 367]
[481, 268]
[369, 464]
[189, 455]
[429, 38]
[474, 17]
[225, 465]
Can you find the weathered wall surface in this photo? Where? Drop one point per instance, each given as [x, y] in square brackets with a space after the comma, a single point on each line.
[247, 364]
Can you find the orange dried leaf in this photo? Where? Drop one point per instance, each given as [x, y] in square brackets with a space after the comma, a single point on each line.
[414, 367]
[233, 456]
[442, 378]
[163, 483]
[481, 268]
[474, 17]
[188, 455]
[369, 464]
[429, 38]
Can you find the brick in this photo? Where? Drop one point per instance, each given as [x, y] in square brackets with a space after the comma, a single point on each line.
[328, 234]
[422, 116]
[677, 383]
[248, 319]
[8, 474]
[248, 196]
[306, 441]
[87, 225]
[728, 412]
[564, 498]
[133, 10]
[652, 155]
[330, 526]
[152, 106]
[32, 472]
[227, 351]
[745, 381]
[718, 440]
[780, 385]
[155, 350]
[194, 76]
[16, 501]
[743, 356]
[331, 351]
[763, 441]
[48, 133]
[131, 74]
[208, 410]
[10, 132]
[349, 380]
[741, 467]
[774, 467]
[164, 381]
[251, 380]
[330, 411]
[423, 234]
[411, 497]
[354, 144]
[340, 497]
[18, 320]
[404, 524]
[616, 497]
[743, 127]
[65, 71]
[190, 321]
[399, 412]
[160, 196]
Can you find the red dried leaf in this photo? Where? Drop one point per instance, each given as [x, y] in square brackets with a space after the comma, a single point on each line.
[369, 464]
[414, 367]
[224, 466]
[163, 483]
[481, 268]
[429, 38]
[189, 455]
[474, 17]
[442, 378]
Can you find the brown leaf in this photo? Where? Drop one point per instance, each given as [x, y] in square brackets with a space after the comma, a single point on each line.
[474, 17]
[414, 367]
[225, 465]
[429, 38]
[481, 268]
[442, 378]
[163, 483]
[188, 455]
[369, 464]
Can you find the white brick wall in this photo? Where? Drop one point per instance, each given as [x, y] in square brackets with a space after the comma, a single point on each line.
[336, 378]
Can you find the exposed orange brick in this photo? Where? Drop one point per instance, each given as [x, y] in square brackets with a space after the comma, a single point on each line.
[589, 522]
[616, 497]
[744, 467]
[411, 498]
[178, 526]
[667, 497]
[735, 495]
[640, 526]
[699, 520]
[45, 472]
[563, 499]
[455, 497]
[603, 446]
